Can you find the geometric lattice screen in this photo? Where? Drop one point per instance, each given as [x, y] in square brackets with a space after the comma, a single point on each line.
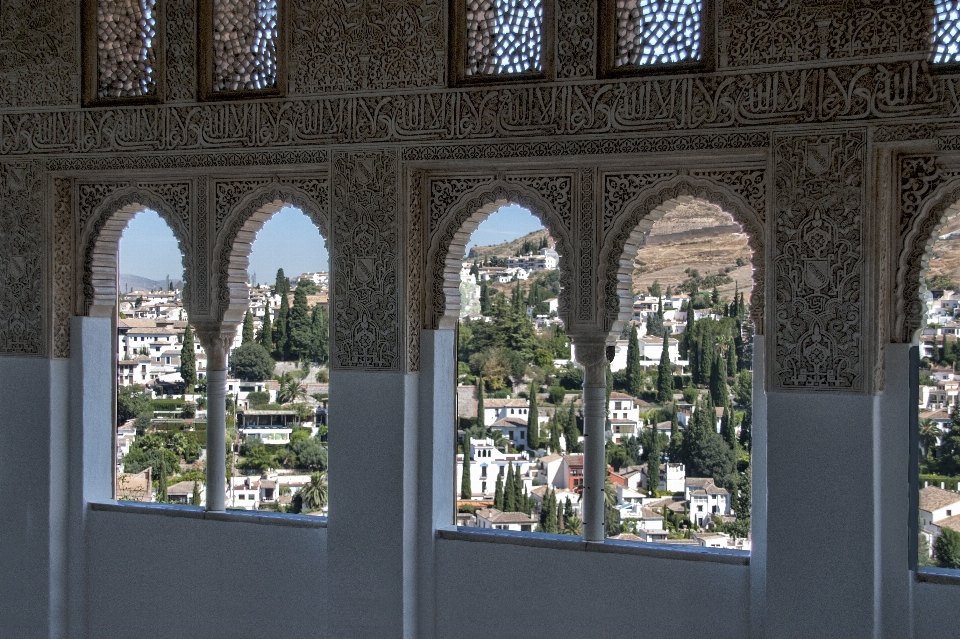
[244, 44]
[658, 31]
[504, 36]
[126, 60]
[946, 31]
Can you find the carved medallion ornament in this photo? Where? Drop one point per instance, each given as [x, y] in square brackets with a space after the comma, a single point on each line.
[548, 198]
[22, 259]
[633, 202]
[242, 207]
[818, 264]
[365, 237]
[576, 38]
[929, 195]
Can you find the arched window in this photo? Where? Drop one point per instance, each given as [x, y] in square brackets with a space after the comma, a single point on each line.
[242, 47]
[122, 41]
[946, 32]
[651, 33]
[510, 344]
[501, 38]
[686, 356]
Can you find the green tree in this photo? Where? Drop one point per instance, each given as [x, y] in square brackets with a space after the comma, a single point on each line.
[291, 389]
[282, 338]
[949, 449]
[133, 401]
[266, 332]
[548, 515]
[480, 409]
[946, 549]
[554, 435]
[195, 496]
[509, 491]
[311, 454]
[484, 298]
[282, 287]
[188, 360]
[466, 487]
[533, 418]
[162, 496]
[247, 328]
[498, 493]
[313, 496]
[299, 326]
[665, 373]
[251, 363]
[675, 447]
[653, 463]
[634, 370]
[519, 498]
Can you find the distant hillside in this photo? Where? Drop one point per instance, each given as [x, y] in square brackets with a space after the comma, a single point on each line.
[509, 249]
[137, 283]
[695, 235]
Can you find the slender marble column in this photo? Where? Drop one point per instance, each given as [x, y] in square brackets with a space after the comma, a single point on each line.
[216, 342]
[592, 356]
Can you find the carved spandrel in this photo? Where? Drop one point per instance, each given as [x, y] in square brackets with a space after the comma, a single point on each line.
[819, 326]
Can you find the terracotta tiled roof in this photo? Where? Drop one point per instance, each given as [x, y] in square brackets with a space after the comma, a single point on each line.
[933, 498]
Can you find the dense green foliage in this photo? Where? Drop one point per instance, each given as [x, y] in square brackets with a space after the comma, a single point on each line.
[188, 359]
[132, 401]
[251, 363]
[946, 549]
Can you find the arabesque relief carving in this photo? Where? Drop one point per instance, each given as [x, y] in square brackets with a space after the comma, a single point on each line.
[818, 309]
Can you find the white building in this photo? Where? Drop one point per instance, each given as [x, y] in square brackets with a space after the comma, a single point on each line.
[939, 509]
[487, 462]
[705, 499]
[496, 519]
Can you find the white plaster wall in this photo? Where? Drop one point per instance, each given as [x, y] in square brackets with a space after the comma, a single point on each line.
[33, 411]
[936, 613]
[156, 577]
[487, 592]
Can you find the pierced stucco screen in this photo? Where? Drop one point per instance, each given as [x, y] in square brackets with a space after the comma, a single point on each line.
[658, 31]
[126, 58]
[244, 44]
[946, 45]
[504, 36]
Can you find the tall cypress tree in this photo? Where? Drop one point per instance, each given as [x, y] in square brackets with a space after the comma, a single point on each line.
[732, 359]
[533, 418]
[634, 370]
[719, 391]
[498, 493]
[509, 494]
[484, 298]
[519, 502]
[549, 517]
[653, 463]
[247, 328]
[188, 361]
[480, 418]
[162, 488]
[282, 340]
[266, 331]
[195, 495]
[299, 327]
[665, 373]
[282, 287]
[466, 488]
[554, 434]
[675, 448]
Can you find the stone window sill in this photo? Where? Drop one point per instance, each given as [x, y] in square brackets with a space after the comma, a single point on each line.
[196, 512]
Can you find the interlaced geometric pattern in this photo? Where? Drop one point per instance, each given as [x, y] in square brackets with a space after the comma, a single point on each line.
[126, 58]
[946, 31]
[658, 31]
[244, 44]
[504, 36]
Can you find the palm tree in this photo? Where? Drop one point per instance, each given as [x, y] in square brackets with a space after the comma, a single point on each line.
[929, 435]
[313, 496]
[290, 389]
[574, 526]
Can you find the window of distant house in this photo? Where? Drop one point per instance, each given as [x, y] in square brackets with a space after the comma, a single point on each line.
[649, 33]
[243, 48]
[501, 38]
[946, 32]
[121, 48]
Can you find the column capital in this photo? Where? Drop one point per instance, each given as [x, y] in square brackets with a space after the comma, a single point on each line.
[592, 355]
[216, 339]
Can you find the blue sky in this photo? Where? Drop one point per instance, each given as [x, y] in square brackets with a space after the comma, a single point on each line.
[289, 240]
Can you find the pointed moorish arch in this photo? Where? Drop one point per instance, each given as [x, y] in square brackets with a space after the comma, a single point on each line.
[100, 243]
[909, 303]
[447, 246]
[235, 239]
[629, 228]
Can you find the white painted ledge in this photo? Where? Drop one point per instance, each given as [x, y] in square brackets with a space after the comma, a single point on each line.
[260, 517]
[938, 576]
[614, 546]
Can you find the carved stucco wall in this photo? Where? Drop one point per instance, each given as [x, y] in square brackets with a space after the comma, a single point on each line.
[803, 97]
